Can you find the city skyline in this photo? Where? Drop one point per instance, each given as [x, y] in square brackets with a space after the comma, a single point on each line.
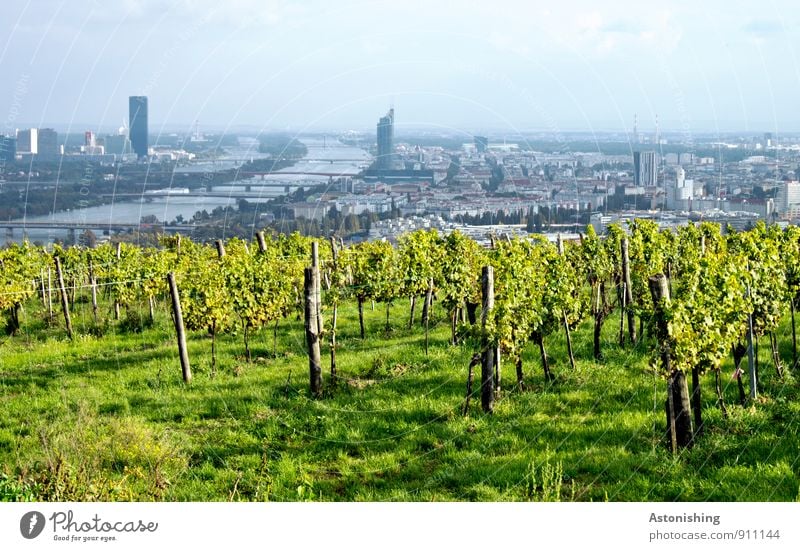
[567, 67]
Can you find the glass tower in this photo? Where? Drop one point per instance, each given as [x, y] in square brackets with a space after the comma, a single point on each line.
[385, 140]
[137, 111]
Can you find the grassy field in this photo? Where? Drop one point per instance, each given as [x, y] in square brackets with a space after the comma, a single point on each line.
[107, 417]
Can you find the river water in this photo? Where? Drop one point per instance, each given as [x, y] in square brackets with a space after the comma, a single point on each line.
[324, 156]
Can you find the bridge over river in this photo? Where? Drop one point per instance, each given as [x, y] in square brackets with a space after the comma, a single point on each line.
[105, 227]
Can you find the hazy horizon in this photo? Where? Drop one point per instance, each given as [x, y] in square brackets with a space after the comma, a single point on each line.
[457, 66]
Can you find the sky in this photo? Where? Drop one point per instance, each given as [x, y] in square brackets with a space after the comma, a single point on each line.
[453, 66]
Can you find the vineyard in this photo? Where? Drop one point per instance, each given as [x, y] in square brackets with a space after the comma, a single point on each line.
[641, 365]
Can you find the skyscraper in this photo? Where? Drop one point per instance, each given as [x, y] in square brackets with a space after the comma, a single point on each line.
[385, 141]
[8, 148]
[137, 112]
[48, 143]
[644, 168]
[481, 143]
[28, 141]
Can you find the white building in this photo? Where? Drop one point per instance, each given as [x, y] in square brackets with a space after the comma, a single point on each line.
[359, 204]
[788, 200]
[28, 141]
[680, 195]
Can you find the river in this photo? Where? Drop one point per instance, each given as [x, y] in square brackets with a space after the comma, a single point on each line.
[324, 156]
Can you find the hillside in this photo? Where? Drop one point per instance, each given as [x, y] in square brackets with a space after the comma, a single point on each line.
[108, 418]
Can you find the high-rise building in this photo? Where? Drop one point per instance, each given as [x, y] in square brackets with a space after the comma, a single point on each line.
[768, 139]
[681, 193]
[8, 149]
[137, 114]
[788, 199]
[481, 143]
[386, 141]
[48, 144]
[89, 139]
[644, 168]
[28, 141]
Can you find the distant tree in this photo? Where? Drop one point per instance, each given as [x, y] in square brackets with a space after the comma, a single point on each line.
[88, 239]
[352, 223]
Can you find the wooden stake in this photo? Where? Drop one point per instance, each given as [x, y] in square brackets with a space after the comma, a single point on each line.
[64, 302]
[560, 242]
[498, 373]
[312, 335]
[569, 342]
[94, 298]
[116, 304]
[626, 274]
[49, 294]
[43, 291]
[317, 284]
[622, 316]
[177, 317]
[335, 314]
[678, 408]
[428, 299]
[751, 363]
[334, 317]
[487, 357]
[93, 285]
[794, 336]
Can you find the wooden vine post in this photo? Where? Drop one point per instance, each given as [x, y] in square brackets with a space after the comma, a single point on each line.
[317, 284]
[571, 355]
[64, 300]
[220, 248]
[93, 285]
[678, 409]
[628, 291]
[118, 257]
[622, 314]
[427, 316]
[262, 244]
[180, 332]
[487, 350]
[49, 294]
[312, 331]
[43, 290]
[335, 313]
[498, 374]
[751, 362]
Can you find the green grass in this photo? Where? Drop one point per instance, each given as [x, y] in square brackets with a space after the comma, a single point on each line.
[109, 418]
